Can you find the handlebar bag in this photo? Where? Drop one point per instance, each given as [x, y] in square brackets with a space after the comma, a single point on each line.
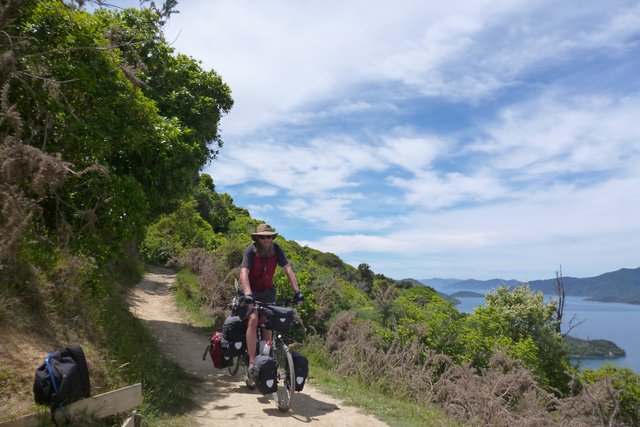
[279, 318]
[265, 372]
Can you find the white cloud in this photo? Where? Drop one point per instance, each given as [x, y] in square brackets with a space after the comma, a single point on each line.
[411, 153]
[563, 225]
[309, 168]
[554, 135]
[262, 191]
[334, 213]
[431, 190]
[282, 55]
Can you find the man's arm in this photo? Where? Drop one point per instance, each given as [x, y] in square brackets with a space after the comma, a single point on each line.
[292, 277]
[244, 280]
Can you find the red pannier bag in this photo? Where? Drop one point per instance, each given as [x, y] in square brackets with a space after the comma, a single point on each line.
[215, 350]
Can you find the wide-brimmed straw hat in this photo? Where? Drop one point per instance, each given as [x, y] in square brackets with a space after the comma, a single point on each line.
[264, 230]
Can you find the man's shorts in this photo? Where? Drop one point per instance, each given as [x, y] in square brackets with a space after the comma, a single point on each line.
[267, 296]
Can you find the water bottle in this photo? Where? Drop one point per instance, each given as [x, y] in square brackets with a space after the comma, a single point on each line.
[266, 348]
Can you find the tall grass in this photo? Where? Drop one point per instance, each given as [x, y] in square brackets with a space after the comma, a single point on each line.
[133, 356]
[394, 411]
[190, 298]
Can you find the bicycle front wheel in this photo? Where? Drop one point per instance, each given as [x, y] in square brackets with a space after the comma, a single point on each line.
[286, 377]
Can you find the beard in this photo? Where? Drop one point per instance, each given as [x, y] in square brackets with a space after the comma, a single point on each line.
[265, 251]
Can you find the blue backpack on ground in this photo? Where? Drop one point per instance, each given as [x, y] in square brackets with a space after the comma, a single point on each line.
[62, 378]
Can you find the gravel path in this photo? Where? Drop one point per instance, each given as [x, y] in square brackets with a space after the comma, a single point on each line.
[223, 399]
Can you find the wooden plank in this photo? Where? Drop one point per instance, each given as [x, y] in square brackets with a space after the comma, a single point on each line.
[100, 406]
[111, 403]
[132, 421]
[31, 420]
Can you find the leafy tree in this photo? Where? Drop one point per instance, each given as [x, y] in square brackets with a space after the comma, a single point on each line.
[216, 209]
[385, 302]
[102, 126]
[173, 234]
[521, 323]
[327, 259]
[366, 276]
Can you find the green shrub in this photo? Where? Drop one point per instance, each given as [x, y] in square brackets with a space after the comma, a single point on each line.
[172, 235]
[626, 384]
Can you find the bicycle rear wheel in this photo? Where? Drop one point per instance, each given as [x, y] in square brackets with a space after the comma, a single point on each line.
[235, 365]
[248, 379]
[286, 377]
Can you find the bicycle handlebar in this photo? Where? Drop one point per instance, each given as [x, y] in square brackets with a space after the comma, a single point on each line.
[285, 302]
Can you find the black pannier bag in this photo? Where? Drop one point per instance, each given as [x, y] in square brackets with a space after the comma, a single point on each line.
[233, 336]
[265, 372]
[232, 349]
[279, 318]
[63, 378]
[234, 329]
[301, 366]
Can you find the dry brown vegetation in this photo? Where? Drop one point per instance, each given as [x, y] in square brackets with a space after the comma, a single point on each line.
[503, 394]
[215, 272]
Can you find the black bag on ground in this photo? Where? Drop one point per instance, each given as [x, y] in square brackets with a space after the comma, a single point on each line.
[63, 378]
[279, 318]
[301, 366]
[265, 372]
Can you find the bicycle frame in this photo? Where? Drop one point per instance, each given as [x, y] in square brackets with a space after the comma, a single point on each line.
[280, 352]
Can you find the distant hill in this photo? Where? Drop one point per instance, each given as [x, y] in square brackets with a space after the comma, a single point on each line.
[484, 284]
[438, 283]
[470, 284]
[622, 285]
[412, 282]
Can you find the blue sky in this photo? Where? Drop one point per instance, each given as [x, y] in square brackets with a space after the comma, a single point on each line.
[475, 139]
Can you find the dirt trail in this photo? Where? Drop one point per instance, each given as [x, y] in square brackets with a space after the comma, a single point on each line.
[223, 399]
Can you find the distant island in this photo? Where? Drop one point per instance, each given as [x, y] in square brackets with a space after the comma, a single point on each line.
[467, 294]
[635, 299]
[453, 300]
[589, 349]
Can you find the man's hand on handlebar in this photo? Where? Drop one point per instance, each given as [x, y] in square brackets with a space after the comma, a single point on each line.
[248, 299]
[298, 297]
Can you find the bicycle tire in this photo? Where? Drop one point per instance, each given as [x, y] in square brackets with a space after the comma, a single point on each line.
[235, 365]
[286, 377]
[244, 363]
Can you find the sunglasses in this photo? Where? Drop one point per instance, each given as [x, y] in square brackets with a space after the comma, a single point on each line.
[265, 237]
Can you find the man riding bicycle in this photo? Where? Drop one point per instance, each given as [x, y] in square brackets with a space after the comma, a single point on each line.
[256, 280]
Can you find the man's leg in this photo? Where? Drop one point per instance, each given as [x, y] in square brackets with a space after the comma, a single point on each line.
[252, 329]
[266, 333]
